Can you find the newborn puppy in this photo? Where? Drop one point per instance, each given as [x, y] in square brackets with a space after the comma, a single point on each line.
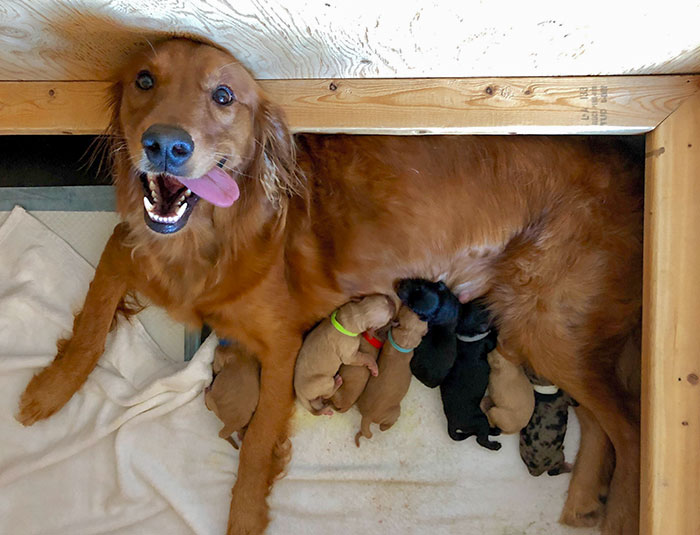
[510, 401]
[542, 441]
[354, 378]
[434, 303]
[336, 341]
[464, 387]
[233, 395]
[381, 400]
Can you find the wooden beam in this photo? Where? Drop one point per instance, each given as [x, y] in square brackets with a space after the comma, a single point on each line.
[671, 341]
[570, 105]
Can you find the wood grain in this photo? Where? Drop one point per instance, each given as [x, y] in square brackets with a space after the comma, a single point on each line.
[671, 342]
[285, 39]
[571, 105]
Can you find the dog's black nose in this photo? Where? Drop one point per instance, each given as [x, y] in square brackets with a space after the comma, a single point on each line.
[167, 147]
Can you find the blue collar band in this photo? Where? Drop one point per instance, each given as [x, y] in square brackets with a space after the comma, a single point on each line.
[397, 346]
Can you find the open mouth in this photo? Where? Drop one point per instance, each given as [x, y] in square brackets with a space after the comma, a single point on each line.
[167, 202]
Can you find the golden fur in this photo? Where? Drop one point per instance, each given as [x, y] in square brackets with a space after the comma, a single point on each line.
[547, 228]
[381, 400]
[510, 399]
[326, 349]
[234, 392]
[354, 379]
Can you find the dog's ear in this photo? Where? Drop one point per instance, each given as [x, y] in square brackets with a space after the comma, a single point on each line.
[274, 160]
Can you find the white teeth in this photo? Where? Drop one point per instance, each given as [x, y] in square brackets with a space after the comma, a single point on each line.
[188, 193]
[182, 198]
[163, 219]
[147, 204]
[152, 185]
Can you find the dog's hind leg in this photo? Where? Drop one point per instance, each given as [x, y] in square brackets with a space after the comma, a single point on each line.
[51, 389]
[265, 448]
[595, 386]
[591, 474]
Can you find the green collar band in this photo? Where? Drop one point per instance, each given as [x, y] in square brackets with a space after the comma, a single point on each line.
[397, 346]
[340, 328]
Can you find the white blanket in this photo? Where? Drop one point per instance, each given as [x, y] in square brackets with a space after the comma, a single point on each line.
[136, 451]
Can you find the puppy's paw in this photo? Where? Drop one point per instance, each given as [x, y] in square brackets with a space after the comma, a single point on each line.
[373, 369]
[45, 394]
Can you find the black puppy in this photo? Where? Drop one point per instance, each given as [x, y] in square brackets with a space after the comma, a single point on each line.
[435, 304]
[465, 385]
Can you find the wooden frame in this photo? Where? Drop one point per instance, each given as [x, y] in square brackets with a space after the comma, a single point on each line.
[566, 105]
[666, 106]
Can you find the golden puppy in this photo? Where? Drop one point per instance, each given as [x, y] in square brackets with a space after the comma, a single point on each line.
[336, 341]
[355, 377]
[510, 400]
[233, 395]
[381, 400]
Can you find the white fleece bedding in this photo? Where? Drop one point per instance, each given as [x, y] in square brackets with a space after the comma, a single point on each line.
[136, 451]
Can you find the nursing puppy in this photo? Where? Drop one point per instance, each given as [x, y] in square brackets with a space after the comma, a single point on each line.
[336, 341]
[510, 400]
[233, 395]
[465, 385]
[435, 304]
[542, 440]
[354, 378]
[381, 400]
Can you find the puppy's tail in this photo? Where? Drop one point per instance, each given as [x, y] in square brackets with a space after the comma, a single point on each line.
[364, 430]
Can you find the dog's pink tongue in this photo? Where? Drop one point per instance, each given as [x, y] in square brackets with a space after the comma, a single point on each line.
[216, 186]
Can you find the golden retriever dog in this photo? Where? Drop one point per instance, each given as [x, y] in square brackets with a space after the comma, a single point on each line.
[511, 399]
[233, 394]
[381, 400]
[354, 378]
[334, 342]
[228, 219]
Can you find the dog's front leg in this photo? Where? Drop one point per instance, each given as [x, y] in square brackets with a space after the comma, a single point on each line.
[51, 389]
[266, 447]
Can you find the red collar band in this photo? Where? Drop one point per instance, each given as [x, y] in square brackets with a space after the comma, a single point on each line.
[372, 340]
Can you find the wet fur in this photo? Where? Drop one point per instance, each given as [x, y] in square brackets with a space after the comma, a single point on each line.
[548, 228]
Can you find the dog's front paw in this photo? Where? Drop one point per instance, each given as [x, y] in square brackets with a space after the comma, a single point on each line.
[581, 512]
[45, 394]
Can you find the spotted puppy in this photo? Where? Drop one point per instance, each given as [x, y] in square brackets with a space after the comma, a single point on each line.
[542, 441]
[354, 378]
[465, 385]
[233, 395]
[435, 304]
[381, 400]
[336, 341]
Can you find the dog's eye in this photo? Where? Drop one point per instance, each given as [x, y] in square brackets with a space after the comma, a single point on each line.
[145, 80]
[223, 95]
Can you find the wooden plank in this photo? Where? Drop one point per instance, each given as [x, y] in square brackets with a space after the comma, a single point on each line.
[573, 105]
[671, 354]
[277, 39]
[54, 107]
[60, 198]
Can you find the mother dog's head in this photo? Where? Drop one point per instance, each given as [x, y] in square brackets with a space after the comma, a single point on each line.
[191, 126]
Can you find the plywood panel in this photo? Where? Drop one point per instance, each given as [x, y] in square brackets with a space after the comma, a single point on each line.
[671, 354]
[86, 39]
[623, 104]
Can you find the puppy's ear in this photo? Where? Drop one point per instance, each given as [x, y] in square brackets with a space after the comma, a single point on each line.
[274, 160]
